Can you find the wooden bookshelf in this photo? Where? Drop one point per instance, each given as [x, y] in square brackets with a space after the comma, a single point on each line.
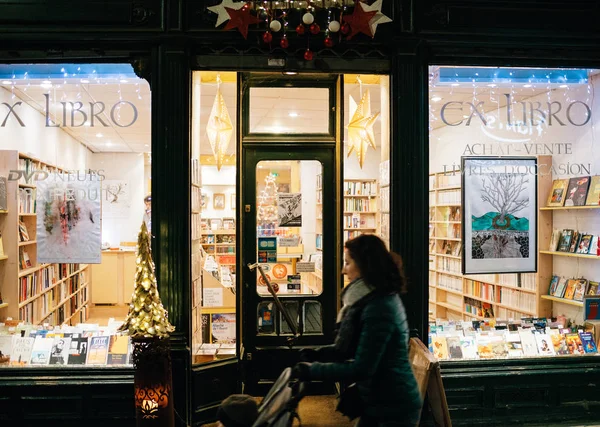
[567, 208]
[361, 202]
[563, 300]
[449, 290]
[63, 300]
[572, 255]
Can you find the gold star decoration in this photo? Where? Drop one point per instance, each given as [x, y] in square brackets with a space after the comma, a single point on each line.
[219, 129]
[360, 127]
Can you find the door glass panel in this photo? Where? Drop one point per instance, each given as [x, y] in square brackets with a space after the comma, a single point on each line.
[277, 110]
[289, 226]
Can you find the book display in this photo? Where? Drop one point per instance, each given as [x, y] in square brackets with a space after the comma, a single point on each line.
[34, 292]
[360, 207]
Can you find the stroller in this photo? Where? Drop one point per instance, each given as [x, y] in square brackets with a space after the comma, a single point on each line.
[278, 408]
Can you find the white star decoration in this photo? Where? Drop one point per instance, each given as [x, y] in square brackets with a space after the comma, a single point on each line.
[360, 127]
[220, 10]
[379, 17]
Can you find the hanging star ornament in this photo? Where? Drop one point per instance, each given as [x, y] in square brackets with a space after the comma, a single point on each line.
[240, 19]
[359, 20]
[219, 9]
[379, 17]
[219, 129]
[360, 127]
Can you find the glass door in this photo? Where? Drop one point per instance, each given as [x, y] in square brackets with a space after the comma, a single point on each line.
[290, 232]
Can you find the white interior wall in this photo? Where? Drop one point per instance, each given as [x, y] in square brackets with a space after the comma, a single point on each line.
[308, 173]
[226, 179]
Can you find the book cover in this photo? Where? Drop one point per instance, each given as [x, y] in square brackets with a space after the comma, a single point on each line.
[484, 347]
[583, 247]
[515, 349]
[593, 197]
[561, 287]
[555, 240]
[565, 240]
[98, 350]
[440, 347]
[40, 354]
[558, 192]
[468, 348]
[580, 288]
[78, 351]
[23, 233]
[587, 340]
[577, 191]
[553, 285]
[3, 194]
[528, 342]
[559, 343]
[118, 348]
[498, 344]
[591, 307]
[574, 241]
[59, 354]
[592, 288]
[570, 290]
[574, 343]
[5, 348]
[454, 348]
[544, 344]
[21, 350]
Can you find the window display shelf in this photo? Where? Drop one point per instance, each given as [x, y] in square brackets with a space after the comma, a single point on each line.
[568, 254]
[567, 208]
[563, 300]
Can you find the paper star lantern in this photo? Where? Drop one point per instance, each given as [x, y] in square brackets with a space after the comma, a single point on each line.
[379, 17]
[219, 9]
[219, 129]
[360, 127]
[241, 19]
[359, 20]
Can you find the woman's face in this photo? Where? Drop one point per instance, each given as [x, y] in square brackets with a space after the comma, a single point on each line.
[350, 268]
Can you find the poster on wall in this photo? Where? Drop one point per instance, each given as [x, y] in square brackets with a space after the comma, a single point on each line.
[68, 220]
[289, 209]
[223, 328]
[116, 199]
[499, 223]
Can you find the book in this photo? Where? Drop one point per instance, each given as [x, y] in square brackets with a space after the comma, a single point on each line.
[544, 344]
[499, 349]
[574, 241]
[40, 353]
[570, 290]
[583, 247]
[118, 348]
[529, 343]
[21, 350]
[553, 285]
[23, 233]
[78, 350]
[580, 288]
[468, 348]
[577, 191]
[3, 194]
[593, 197]
[574, 343]
[565, 240]
[60, 350]
[554, 240]
[440, 347]
[561, 287]
[591, 307]
[98, 350]
[558, 192]
[5, 348]
[454, 349]
[587, 340]
[559, 343]
[592, 288]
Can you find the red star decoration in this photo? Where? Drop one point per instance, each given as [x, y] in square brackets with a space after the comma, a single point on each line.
[359, 21]
[240, 19]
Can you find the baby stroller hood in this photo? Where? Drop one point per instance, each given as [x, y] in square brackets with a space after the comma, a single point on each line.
[278, 408]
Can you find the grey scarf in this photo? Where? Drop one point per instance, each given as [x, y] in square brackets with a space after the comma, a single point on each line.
[348, 320]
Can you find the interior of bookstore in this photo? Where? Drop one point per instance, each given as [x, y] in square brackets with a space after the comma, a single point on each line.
[514, 212]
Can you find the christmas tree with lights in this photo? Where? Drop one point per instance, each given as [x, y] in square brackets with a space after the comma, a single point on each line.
[147, 317]
[267, 206]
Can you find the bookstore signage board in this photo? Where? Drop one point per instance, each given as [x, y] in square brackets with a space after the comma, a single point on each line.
[68, 220]
[499, 215]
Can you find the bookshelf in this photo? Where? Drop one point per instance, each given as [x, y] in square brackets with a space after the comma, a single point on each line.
[33, 292]
[455, 296]
[384, 202]
[319, 215]
[360, 207]
[196, 255]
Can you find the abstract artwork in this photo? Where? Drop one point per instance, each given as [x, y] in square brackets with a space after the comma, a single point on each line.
[499, 215]
[116, 199]
[68, 220]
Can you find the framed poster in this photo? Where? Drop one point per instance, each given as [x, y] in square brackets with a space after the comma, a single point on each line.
[289, 209]
[499, 221]
[218, 201]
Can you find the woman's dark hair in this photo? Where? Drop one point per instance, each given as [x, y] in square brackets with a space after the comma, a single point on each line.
[378, 266]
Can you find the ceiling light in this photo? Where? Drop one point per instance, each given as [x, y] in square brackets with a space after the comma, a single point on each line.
[87, 123]
[108, 143]
[46, 84]
[293, 114]
[85, 81]
[123, 81]
[564, 86]
[6, 82]
[455, 84]
[98, 135]
[436, 98]
[290, 73]
[527, 85]
[492, 85]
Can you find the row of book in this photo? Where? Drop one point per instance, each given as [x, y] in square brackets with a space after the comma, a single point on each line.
[357, 220]
[573, 289]
[356, 188]
[493, 338]
[450, 179]
[32, 284]
[579, 191]
[27, 200]
[574, 241]
[449, 197]
[359, 205]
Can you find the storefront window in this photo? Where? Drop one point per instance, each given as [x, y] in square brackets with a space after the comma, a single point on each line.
[513, 220]
[74, 191]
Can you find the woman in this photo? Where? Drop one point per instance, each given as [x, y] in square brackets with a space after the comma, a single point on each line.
[371, 347]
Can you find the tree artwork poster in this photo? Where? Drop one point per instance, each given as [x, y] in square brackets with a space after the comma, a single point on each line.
[499, 199]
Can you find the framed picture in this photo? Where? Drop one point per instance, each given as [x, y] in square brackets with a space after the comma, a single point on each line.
[499, 215]
[204, 201]
[218, 201]
[233, 201]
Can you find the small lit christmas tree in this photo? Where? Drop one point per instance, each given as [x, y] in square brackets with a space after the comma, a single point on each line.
[267, 205]
[147, 317]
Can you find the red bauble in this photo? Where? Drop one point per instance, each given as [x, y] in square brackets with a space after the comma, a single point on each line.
[284, 43]
[315, 29]
[328, 41]
[308, 55]
[300, 29]
[345, 29]
[267, 37]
